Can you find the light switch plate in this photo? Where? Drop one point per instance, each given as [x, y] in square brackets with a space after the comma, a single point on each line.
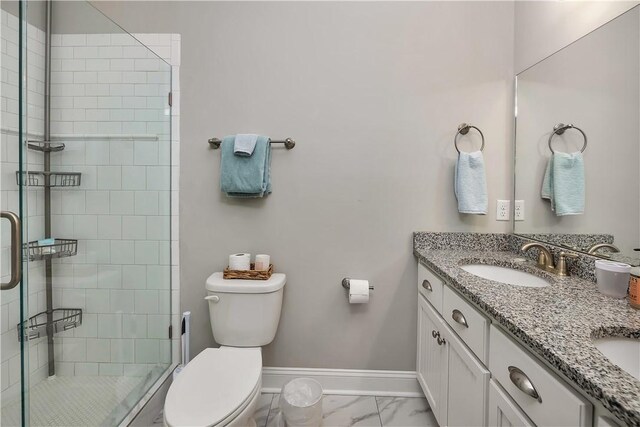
[503, 210]
[518, 212]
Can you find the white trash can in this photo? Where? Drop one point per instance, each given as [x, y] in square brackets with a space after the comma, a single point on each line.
[301, 403]
[612, 278]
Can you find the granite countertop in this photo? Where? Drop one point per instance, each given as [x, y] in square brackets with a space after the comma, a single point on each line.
[556, 322]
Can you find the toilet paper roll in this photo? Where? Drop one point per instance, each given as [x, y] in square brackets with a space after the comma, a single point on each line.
[358, 291]
[240, 261]
[262, 262]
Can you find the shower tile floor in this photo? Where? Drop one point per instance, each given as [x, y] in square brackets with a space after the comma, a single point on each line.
[72, 401]
[346, 411]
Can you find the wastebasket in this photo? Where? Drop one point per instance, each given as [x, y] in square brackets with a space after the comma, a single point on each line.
[301, 402]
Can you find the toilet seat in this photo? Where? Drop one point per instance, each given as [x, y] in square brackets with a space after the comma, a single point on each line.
[216, 386]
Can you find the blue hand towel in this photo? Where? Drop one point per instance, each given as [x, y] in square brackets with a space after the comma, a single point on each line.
[563, 183]
[245, 177]
[244, 144]
[470, 184]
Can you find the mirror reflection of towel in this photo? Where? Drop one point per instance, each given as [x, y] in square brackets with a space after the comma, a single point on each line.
[563, 183]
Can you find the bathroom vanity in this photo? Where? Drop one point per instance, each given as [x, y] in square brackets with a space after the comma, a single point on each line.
[492, 353]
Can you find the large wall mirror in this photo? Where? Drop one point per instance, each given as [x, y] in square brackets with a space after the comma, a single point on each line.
[577, 155]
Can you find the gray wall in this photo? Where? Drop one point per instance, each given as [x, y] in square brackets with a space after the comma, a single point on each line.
[36, 11]
[373, 94]
[543, 27]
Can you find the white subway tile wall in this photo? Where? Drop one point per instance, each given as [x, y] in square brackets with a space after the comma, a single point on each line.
[110, 108]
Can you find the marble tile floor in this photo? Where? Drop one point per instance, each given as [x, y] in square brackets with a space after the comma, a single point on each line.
[346, 411]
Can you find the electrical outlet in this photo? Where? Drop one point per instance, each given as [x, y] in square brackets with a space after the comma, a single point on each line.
[518, 213]
[503, 210]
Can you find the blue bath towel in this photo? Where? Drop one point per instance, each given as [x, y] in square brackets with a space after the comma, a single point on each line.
[245, 176]
[470, 184]
[244, 144]
[563, 183]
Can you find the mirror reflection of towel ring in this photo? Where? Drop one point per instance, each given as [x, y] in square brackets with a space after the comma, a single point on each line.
[463, 129]
[559, 130]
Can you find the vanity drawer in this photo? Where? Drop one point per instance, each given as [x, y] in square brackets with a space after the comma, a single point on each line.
[556, 403]
[467, 322]
[430, 286]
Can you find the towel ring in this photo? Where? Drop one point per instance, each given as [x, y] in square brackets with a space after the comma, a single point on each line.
[463, 129]
[559, 130]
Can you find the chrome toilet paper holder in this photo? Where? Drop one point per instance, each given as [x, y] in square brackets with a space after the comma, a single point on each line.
[346, 283]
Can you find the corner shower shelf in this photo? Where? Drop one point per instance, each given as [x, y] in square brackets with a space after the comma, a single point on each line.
[56, 179]
[45, 146]
[62, 248]
[63, 320]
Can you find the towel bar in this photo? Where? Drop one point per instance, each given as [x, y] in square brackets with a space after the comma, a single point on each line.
[289, 143]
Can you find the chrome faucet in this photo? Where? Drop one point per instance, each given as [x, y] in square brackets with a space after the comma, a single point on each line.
[545, 259]
[593, 249]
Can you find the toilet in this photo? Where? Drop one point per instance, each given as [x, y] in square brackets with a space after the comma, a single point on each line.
[221, 386]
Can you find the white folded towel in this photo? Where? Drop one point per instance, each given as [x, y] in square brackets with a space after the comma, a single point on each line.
[470, 184]
[244, 144]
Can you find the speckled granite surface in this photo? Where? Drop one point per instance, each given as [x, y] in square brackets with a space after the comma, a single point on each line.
[572, 310]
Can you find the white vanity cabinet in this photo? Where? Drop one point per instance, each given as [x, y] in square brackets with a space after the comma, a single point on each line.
[432, 359]
[456, 344]
[466, 387]
[544, 397]
[453, 379]
[470, 325]
[430, 286]
[503, 411]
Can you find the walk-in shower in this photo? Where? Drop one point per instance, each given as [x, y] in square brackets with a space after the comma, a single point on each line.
[86, 168]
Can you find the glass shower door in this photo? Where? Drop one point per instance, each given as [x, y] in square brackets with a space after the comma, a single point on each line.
[15, 353]
[85, 164]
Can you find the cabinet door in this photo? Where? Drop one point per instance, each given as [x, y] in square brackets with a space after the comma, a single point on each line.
[468, 382]
[503, 411]
[431, 360]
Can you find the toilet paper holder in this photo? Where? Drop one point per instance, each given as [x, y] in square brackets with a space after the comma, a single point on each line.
[346, 284]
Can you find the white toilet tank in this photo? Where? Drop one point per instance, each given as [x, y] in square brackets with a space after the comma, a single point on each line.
[244, 313]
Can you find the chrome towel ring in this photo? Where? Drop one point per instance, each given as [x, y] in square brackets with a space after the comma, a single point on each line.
[463, 129]
[559, 130]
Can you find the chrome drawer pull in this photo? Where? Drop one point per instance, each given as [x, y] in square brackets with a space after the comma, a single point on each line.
[524, 384]
[459, 317]
[427, 285]
[435, 334]
[441, 341]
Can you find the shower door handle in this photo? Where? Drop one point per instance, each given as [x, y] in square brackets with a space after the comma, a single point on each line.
[16, 247]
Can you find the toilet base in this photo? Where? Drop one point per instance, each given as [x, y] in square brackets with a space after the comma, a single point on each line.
[245, 418]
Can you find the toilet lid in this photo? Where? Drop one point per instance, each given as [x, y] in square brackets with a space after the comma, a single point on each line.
[212, 386]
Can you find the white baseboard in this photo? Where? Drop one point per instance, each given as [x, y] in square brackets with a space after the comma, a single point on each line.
[347, 381]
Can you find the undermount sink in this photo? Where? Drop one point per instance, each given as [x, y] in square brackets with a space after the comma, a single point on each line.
[506, 275]
[623, 352]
